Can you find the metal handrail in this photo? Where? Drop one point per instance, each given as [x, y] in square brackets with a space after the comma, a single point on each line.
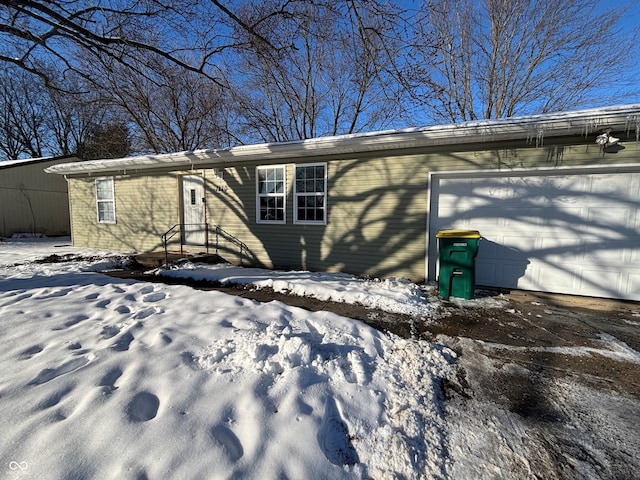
[178, 228]
[165, 240]
[244, 249]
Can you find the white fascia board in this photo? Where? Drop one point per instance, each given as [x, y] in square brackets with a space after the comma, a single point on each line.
[29, 161]
[581, 122]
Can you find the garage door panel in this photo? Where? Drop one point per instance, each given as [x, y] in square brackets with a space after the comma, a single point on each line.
[514, 219]
[499, 275]
[577, 233]
[521, 219]
[516, 248]
[455, 212]
[480, 223]
[561, 218]
[610, 218]
[612, 184]
[600, 279]
[486, 273]
[602, 256]
[561, 249]
[633, 284]
[557, 277]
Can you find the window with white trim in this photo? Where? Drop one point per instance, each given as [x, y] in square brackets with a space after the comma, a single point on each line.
[271, 194]
[310, 194]
[105, 200]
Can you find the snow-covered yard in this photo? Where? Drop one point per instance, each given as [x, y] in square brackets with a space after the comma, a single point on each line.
[107, 378]
[110, 378]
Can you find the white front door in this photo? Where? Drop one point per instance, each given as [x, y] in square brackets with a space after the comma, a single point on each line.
[193, 210]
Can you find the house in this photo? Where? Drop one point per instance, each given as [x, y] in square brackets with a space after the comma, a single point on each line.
[31, 201]
[556, 198]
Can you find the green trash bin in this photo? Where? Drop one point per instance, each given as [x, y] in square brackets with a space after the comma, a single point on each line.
[458, 251]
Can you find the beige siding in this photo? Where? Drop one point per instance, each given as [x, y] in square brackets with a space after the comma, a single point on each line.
[377, 206]
[376, 219]
[32, 201]
[146, 207]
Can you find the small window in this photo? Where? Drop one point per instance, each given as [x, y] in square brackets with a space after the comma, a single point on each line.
[105, 200]
[270, 193]
[310, 194]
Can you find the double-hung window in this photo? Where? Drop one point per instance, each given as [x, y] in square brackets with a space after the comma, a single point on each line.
[310, 194]
[271, 194]
[105, 200]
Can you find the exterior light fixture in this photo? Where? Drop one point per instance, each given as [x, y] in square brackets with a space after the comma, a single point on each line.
[606, 140]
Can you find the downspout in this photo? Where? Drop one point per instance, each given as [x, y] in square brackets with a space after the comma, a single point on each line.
[70, 208]
[427, 268]
[205, 209]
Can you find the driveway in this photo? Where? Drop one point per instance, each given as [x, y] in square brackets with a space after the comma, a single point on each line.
[560, 373]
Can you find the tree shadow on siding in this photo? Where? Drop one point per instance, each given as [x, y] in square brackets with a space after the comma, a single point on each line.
[141, 219]
[597, 237]
[376, 213]
[376, 220]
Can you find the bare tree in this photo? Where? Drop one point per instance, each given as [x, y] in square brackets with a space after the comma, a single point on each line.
[499, 58]
[188, 33]
[294, 69]
[109, 140]
[11, 144]
[24, 106]
[167, 108]
[330, 82]
[73, 117]
[38, 121]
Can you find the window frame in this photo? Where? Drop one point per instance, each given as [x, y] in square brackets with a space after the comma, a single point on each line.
[282, 195]
[296, 194]
[111, 200]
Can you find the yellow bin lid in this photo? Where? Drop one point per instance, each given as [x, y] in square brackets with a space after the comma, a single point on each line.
[458, 234]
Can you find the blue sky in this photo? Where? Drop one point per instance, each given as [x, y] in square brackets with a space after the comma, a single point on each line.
[623, 59]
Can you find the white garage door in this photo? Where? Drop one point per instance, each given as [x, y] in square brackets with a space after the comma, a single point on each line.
[571, 231]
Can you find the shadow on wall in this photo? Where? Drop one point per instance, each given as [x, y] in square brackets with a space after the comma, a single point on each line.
[374, 211]
[377, 210]
[558, 223]
[499, 265]
[145, 208]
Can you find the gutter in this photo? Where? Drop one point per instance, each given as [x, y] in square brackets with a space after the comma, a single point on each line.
[532, 128]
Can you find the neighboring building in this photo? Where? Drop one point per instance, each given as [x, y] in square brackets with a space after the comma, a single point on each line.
[558, 211]
[31, 201]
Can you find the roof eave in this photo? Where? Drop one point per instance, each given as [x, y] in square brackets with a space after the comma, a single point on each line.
[548, 125]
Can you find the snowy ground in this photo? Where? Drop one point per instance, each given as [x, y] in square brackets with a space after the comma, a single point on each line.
[109, 378]
[106, 378]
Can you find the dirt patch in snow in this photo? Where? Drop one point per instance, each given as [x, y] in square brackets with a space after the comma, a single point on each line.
[545, 334]
[560, 373]
[596, 347]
